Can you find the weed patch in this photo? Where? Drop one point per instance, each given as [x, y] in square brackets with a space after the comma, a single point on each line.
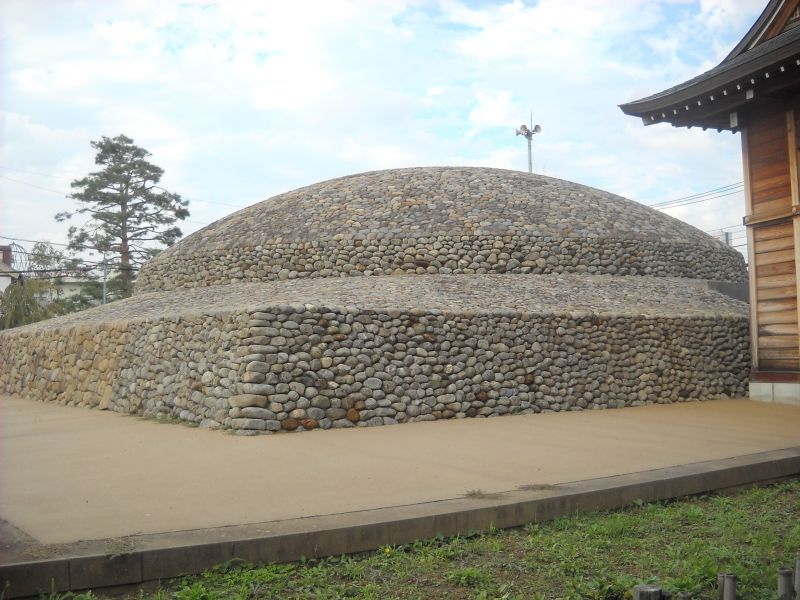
[680, 545]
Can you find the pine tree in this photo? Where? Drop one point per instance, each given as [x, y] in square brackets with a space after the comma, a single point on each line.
[129, 214]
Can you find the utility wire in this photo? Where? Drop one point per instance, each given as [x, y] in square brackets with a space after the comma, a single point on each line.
[723, 188]
[720, 190]
[34, 173]
[724, 228]
[57, 270]
[33, 241]
[39, 187]
[687, 202]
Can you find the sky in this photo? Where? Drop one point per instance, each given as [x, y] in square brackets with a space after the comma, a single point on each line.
[240, 100]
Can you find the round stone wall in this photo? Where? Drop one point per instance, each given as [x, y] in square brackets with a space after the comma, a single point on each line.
[441, 220]
[293, 356]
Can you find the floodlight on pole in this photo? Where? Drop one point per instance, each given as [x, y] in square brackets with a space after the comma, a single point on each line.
[529, 133]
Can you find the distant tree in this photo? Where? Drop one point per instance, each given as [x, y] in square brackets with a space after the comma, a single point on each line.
[129, 214]
[46, 265]
[40, 295]
[91, 294]
[45, 256]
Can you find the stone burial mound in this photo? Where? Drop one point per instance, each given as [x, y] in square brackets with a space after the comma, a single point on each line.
[405, 295]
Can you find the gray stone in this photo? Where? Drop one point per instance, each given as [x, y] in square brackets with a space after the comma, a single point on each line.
[252, 412]
[373, 383]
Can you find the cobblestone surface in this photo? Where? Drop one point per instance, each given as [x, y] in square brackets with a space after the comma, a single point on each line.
[441, 220]
[542, 294]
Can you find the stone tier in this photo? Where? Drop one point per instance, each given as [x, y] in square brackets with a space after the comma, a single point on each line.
[518, 254]
[441, 220]
[299, 355]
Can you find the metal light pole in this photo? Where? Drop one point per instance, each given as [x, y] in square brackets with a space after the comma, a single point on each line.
[529, 133]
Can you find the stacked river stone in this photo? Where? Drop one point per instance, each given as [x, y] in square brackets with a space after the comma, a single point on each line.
[405, 295]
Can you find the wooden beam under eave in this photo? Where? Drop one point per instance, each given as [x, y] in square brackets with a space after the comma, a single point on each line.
[711, 112]
[719, 121]
[751, 254]
[791, 141]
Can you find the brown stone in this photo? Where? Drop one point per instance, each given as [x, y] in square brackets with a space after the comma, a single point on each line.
[482, 396]
[243, 400]
[360, 405]
[353, 415]
[290, 424]
[308, 423]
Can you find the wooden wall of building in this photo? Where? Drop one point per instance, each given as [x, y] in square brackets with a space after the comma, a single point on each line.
[770, 167]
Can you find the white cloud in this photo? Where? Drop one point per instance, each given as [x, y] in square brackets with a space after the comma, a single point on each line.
[241, 100]
[492, 109]
[725, 14]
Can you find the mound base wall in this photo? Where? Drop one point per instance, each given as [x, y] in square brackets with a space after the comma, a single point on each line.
[295, 368]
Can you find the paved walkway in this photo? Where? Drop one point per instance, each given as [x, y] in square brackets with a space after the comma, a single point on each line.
[71, 474]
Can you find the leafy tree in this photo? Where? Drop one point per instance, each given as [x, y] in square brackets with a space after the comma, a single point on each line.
[128, 212]
[44, 256]
[46, 264]
[40, 295]
[91, 294]
[19, 306]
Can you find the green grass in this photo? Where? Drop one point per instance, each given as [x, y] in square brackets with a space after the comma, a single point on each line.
[680, 545]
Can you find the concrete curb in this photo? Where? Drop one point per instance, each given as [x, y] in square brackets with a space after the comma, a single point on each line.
[161, 556]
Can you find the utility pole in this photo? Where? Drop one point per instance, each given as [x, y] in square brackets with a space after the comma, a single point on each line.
[529, 133]
[105, 275]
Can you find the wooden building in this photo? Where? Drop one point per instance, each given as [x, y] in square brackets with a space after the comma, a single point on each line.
[755, 90]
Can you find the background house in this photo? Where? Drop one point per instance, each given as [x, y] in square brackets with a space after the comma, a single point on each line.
[8, 275]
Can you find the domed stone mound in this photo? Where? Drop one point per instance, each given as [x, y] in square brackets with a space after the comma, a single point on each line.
[491, 292]
[441, 220]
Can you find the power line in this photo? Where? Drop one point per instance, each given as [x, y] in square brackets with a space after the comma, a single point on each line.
[33, 241]
[32, 185]
[688, 202]
[34, 173]
[698, 194]
[726, 227]
[56, 270]
[88, 262]
[711, 191]
[80, 261]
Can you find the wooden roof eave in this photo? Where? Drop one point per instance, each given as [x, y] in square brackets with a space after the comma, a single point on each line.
[723, 75]
[714, 111]
[701, 103]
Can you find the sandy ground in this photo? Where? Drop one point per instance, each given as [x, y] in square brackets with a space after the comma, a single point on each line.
[70, 474]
